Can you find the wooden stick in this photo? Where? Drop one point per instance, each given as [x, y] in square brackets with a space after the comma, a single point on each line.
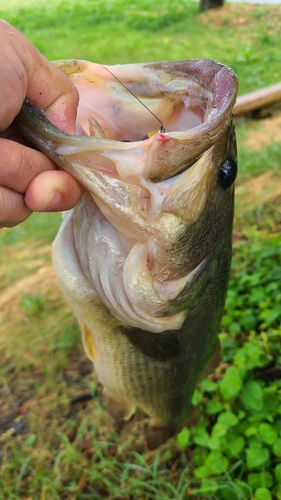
[257, 99]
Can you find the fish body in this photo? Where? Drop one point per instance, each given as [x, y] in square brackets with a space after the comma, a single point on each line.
[144, 257]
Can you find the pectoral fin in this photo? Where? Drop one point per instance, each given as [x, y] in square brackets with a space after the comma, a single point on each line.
[159, 346]
[88, 342]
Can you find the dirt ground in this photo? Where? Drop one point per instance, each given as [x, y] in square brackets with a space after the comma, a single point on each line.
[264, 188]
[240, 14]
[265, 131]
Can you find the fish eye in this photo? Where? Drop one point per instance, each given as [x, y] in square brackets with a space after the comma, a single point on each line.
[227, 173]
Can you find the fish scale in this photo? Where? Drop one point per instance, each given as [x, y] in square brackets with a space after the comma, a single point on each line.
[144, 257]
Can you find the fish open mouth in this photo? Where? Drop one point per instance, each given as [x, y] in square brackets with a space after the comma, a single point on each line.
[131, 105]
[190, 99]
[136, 116]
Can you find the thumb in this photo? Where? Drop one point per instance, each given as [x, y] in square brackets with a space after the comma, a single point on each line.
[26, 73]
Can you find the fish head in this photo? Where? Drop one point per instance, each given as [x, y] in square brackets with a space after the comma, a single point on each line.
[168, 193]
[153, 185]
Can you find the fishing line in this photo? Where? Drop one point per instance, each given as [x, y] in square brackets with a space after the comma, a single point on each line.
[162, 129]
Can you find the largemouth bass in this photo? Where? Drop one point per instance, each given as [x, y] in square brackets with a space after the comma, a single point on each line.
[144, 257]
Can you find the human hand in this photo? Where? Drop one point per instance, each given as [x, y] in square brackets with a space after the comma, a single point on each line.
[29, 181]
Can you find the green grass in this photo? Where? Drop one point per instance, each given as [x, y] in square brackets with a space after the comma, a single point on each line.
[52, 448]
[41, 226]
[116, 32]
[254, 162]
[73, 451]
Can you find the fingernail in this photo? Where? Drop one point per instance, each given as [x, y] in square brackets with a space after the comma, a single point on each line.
[53, 201]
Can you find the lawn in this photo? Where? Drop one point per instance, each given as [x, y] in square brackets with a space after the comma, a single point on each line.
[55, 444]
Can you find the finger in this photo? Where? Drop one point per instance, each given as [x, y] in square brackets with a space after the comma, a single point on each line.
[19, 165]
[52, 191]
[13, 135]
[27, 73]
[13, 208]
